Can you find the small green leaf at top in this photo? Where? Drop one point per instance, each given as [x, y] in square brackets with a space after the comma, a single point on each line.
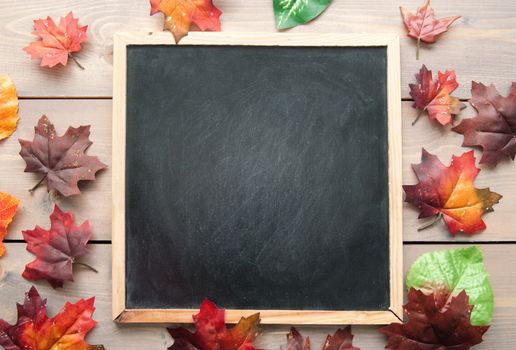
[291, 13]
[457, 269]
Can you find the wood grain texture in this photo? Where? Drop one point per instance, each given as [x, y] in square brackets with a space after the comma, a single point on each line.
[480, 46]
[114, 336]
[95, 202]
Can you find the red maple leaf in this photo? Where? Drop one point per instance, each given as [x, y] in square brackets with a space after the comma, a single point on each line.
[60, 159]
[58, 42]
[57, 249]
[434, 97]
[449, 193]
[341, 340]
[435, 322]
[494, 128]
[35, 331]
[423, 26]
[211, 332]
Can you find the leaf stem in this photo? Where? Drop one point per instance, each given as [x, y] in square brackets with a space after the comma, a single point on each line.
[86, 265]
[75, 60]
[432, 223]
[39, 183]
[418, 48]
[418, 116]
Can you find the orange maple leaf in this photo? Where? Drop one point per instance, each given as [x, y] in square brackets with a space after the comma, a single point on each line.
[8, 107]
[180, 14]
[8, 206]
[448, 193]
[423, 26]
[58, 42]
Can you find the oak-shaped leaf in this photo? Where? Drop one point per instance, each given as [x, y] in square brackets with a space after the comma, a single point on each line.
[212, 334]
[8, 207]
[435, 322]
[34, 330]
[56, 249]
[341, 340]
[180, 15]
[8, 107]
[60, 159]
[494, 127]
[448, 193]
[434, 96]
[291, 13]
[58, 42]
[423, 26]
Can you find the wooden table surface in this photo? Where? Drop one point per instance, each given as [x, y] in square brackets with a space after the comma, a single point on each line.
[481, 47]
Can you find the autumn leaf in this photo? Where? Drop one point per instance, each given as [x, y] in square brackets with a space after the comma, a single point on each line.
[180, 14]
[448, 193]
[60, 159]
[434, 96]
[494, 127]
[435, 322]
[57, 249]
[423, 26]
[211, 332]
[35, 331]
[8, 206]
[58, 42]
[341, 340]
[291, 13]
[8, 107]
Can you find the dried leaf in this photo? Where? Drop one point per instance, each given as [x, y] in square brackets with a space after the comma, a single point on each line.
[35, 331]
[423, 26]
[341, 340]
[494, 127]
[57, 249]
[448, 192]
[8, 107]
[180, 14]
[435, 322]
[434, 97]
[8, 207]
[60, 159]
[291, 13]
[211, 332]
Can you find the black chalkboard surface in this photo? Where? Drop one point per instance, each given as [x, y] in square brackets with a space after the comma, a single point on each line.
[257, 176]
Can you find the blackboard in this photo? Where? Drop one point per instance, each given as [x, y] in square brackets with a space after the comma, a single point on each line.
[257, 176]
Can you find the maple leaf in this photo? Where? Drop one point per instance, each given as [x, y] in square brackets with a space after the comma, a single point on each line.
[434, 97]
[35, 331]
[58, 42]
[494, 128]
[8, 107]
[435, 322]
[8, 206]
[448, 193]
[60, 158]
[180, 14]
[341, 340]
[211, 332]
[291, 13]
[57, 249]
[423, 26]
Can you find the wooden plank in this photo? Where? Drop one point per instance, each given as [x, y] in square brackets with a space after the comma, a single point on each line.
[480, 46]
[113, 336]
[95, 201]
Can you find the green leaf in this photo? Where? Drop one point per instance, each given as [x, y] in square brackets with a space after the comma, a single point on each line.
[291, 13]
[458, 269]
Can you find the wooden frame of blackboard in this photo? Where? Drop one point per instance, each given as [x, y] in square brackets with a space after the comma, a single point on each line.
[391, 42]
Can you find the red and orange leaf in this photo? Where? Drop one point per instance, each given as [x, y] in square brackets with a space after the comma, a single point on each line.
[8, 107]
[448, 192]
[8, 207]
[435, 322]
[58, 42]
[341, 340]
[60, 159]
[35, 331]
[57, 249]
[181, 14]
[494, 127]
[423, 26]
[211, 332]
[434, 96]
